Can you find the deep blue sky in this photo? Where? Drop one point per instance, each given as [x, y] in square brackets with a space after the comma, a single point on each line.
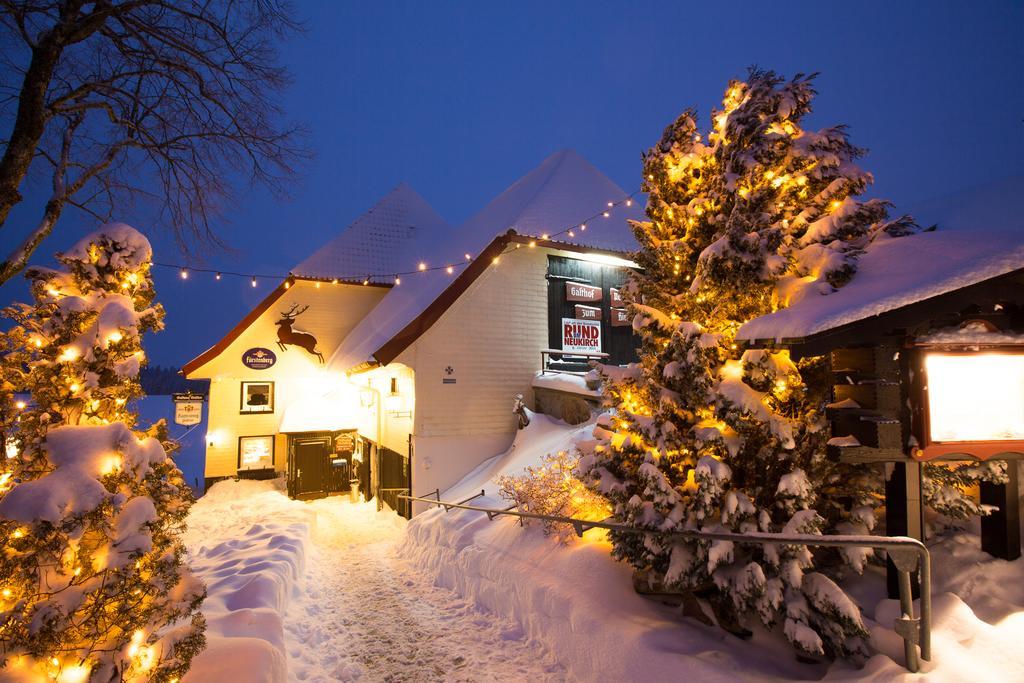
[460, 99]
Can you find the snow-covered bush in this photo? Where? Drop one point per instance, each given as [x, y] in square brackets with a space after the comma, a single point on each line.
[553, 489]
[744, 219]
[92, 582]
[946, 487]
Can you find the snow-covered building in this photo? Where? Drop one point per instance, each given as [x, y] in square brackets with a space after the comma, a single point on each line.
[417, 336]
[926, 346]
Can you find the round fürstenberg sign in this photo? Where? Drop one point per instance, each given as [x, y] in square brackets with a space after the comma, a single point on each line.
[259, 358]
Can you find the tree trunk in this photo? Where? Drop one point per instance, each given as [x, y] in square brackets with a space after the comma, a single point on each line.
[29, 124]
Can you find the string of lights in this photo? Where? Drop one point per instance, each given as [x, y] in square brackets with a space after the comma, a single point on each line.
[366, 278]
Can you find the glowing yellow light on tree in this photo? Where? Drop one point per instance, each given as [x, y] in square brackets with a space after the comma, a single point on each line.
[835, 204]
[110, 465]
[74, 673]
[20, 405]
[70, 353]
[114, 337]
[74, 388]
[780, 385]
[18, 533]
[744, 192]
[52, 292]
[768, 175]
[38, 343]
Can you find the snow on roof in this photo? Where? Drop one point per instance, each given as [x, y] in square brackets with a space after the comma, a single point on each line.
[388, 238]
[894, 273]
[562, 191]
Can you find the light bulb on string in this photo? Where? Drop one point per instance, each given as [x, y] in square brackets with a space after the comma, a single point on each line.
[253, 280]
[606, 214]
[468, 257]
[398, 280]
[629, 202]
[366, 282]
[217, 276]
[583, 226]
[423, 266]
[449, 270]
[184, 274]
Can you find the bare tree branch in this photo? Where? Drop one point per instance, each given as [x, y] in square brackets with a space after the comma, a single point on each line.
[172, 101]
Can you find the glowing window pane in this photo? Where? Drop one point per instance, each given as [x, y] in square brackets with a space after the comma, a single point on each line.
[256, 452]
[977, 397]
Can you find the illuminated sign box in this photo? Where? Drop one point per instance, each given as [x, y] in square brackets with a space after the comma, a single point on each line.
[974, 402]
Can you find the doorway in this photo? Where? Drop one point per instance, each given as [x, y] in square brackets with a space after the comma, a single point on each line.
[320, 463]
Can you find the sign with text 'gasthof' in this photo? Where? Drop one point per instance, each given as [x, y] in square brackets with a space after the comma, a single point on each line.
[575, 291]
[587, 312]
[581, 335]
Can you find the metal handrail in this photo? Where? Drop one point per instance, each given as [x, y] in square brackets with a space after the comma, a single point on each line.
[907, 554]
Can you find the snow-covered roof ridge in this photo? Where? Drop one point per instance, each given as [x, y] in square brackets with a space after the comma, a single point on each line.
[561, 192]
[387, 239]
[895, 273]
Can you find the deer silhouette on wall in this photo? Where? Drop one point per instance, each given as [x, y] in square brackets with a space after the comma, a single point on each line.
[287, 336]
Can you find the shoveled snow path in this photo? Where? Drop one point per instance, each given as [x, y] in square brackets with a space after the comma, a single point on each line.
[363, 613]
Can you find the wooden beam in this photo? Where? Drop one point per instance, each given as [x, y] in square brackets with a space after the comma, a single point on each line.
[904, 512]
[1000, 531]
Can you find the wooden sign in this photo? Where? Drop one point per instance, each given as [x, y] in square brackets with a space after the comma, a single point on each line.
[575, 291]
[620, 318]
[345, 443]
[588, 312]
[616, 297]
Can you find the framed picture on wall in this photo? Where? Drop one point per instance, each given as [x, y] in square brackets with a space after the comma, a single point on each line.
[255, 452]
[257, 397]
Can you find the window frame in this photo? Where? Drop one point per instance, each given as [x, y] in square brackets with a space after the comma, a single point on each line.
[241, 397]
[273, 452]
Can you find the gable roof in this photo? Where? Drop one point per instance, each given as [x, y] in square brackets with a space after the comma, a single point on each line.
[394, 234]
[559, 193]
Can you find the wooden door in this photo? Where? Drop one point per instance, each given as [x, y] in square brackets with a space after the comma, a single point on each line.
[310, 462]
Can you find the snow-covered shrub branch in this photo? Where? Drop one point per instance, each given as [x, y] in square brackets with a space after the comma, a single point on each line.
[554, 489]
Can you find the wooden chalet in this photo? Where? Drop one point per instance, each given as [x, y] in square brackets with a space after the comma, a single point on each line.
[926, 347]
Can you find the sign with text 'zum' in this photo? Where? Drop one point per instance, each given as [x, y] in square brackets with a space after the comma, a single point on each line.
[587, 312]
[575, 291]
[581, 335]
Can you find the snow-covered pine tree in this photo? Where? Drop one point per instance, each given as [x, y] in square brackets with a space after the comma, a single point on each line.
[92, 581]
[743, 220]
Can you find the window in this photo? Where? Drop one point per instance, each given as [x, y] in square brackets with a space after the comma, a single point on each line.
[255, 452]
[257, 397]
[975, 396]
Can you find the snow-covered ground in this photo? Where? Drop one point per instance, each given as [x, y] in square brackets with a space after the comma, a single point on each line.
[333, 591]
[315, 591]
[580, 602]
